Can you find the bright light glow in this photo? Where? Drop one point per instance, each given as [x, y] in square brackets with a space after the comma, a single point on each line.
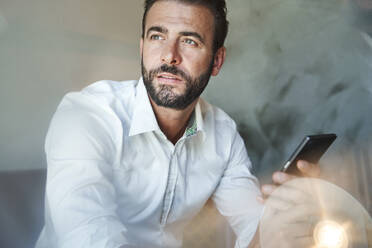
[329, 234]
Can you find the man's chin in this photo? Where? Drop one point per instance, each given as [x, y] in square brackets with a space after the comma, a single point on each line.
[168, 96]
[179, 86]
[176, 90]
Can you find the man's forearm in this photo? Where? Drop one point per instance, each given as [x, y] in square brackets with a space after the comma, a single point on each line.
[255, 243]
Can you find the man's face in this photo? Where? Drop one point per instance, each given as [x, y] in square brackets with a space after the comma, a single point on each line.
[177, 57]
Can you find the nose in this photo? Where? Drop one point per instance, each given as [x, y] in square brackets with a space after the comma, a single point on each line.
[171, 54]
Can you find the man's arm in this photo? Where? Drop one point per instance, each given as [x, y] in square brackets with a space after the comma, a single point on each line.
[80, 195]
[255, 243]
[238, 198]
[285, 222]
[236, 195]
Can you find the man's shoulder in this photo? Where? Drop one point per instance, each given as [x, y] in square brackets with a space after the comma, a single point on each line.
[104, 100]
[219, 117]
[220, 129]
[95, 111]
[105, 94]
[109, 87]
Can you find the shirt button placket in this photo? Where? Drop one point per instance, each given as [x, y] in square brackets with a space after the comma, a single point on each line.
[171, 184]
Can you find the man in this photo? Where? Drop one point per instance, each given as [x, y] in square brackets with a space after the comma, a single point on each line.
[130, 163]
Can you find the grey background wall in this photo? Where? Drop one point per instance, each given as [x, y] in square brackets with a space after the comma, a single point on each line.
[48, 48]
[294, 67]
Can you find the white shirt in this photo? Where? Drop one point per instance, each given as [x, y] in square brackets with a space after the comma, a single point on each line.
[114, 179]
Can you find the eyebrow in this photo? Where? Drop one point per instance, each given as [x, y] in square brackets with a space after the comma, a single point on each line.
[156, 29]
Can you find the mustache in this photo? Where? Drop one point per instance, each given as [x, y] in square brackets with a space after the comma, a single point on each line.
[172, 70]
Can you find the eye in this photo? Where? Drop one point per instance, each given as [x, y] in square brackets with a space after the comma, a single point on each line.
[156, 37]
[190, 42]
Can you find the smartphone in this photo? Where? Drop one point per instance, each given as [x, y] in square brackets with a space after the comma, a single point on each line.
[310, 149]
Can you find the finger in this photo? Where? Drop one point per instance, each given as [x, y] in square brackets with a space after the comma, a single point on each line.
[292, 194]
[308, 169]
[275, 238]
[281, 177]
[268, 189]
[303, 242]
[298, 229]
[278, 203]
[299, 214]
[260, 199]
[278, 242]
[284, 197]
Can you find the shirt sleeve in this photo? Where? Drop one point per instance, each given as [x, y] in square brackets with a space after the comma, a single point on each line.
[80, 195]
[235, 196]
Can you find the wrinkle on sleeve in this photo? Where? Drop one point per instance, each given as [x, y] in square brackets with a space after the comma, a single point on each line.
[80, 194]
[236, 194]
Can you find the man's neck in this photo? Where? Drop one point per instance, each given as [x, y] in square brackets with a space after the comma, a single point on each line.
[173, 122]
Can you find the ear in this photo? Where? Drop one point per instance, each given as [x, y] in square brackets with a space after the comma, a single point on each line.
[219, 58]
[141, 46]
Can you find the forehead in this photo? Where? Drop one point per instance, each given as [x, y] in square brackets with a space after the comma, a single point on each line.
[180, 15]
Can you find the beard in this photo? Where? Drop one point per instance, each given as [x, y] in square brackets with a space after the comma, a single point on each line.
[163, 94]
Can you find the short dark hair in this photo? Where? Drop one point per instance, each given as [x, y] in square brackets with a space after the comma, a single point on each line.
[218, 9]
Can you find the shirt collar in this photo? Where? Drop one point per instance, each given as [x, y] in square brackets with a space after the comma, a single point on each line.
[144, 119]
[196, 122]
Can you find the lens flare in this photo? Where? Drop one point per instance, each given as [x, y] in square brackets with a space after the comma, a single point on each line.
[329, 234]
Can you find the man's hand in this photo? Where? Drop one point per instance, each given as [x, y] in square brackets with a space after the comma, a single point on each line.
[286, 219]
[279, 178]
[289, 215]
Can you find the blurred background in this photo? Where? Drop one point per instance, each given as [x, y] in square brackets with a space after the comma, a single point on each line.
[293, 68]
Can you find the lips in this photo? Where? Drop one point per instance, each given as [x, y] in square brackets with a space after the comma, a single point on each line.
[169, 78]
